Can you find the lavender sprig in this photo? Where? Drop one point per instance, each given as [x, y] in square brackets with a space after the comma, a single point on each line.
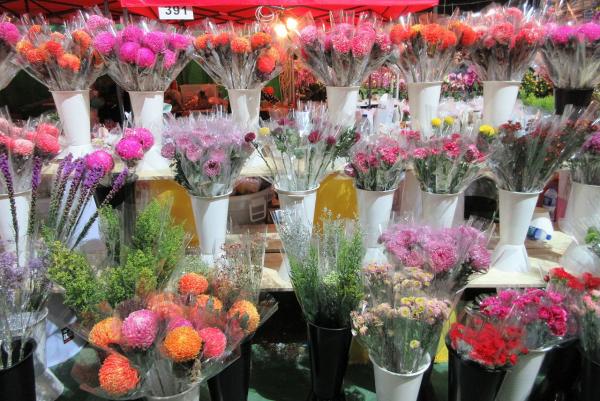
[36, 179]
[117, 185]
[65, 168]
[90, 182]
[74, 188]
[5, 169]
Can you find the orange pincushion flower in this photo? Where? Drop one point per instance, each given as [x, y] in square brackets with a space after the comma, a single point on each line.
[260, 39]
[192, 284]
[265, 63]
[116, 376]
[467, 35]
[415, 29]
[247, 313]
[105, 332]
[69, 61]
[34, 30]
[82, 39]
[54, 48]
[203, 300]
[432, 33]
[240, 45]
[182, 344]
[23, 46]
[221, 39]
[399, 34]
[56, 36]
[201, 42]
[36, 56]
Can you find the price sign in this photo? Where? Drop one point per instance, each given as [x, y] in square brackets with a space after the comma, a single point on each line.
[176, 12]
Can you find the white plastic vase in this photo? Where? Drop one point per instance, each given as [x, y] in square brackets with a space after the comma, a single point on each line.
[519, 380]
[516, 211]
[147, 110]
[210, 215]
[499, 98]
[245, 107]
[438, 210]
[73, 108]
[584, 203]
[423, 102]
[7, 232]
[342, 102]
[411, 194]
[391, 386]
[374, 210]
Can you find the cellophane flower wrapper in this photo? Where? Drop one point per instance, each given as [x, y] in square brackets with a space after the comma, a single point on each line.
[61, 59]
[523, 156]
[585, 165]
[300, 152]
[24, 289]
[590, 324]
[324, 266]
[424, 50]
[239, 57]
[540, 312]
[571, 54]
[9, 36]
[450, 160]
[208, 152]
[144, 55]
[492, 344]
[508, 39]
[377, 161]
[400, 320]
[345, 53]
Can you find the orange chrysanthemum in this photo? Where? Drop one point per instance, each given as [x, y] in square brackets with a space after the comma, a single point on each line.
[36, 56]
[69, 61]
[240, 45]
[265, 63]
[432, 33]
[192, 284]
[116, 376]
[56, 36]
[82, 39]
[246, 312]
[203, 300]
[34, 30]
[54, 48]
[448, 39]
[260, 39]
[182, 344]
[23, 46]
[467, 35]
[201, 42]
[221, 39]
[106, 332]
[399, 34]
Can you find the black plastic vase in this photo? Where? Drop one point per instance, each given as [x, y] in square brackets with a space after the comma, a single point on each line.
[561, 371]
[17, 383]
[329, 352]
[233, 383]
[576, 97]
[590, 374]
[470, 381]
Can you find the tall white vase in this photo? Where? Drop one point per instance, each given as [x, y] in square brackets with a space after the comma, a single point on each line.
[73, 108]
[7, 232]
[584, 203]
[519, 380]
[411, 194]
[438, 210]
[516, 211]
[374, 209]
[147, 110]
[391, 386]
[245, 107]
[423, 101]
[342, 102]
[306, 200]
[210, 215]
[499, 98]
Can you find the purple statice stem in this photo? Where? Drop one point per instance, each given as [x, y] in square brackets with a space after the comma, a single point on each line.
[64, 170]
[116, 187]
[90, 182]
[75, 181]
[36, 179]
[5, 169]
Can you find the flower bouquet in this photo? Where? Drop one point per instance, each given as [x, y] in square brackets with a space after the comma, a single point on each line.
[342, 57]
[243, 59]
[481, 352]
[325, 269]
[508, 39]
[399, 322]
[570, 54]
[64, 61]
[543, 318]
[376, 164]
[523, 158]
[445, 165]
[424, 53]
[9, 36]
[583, 255]
[585, 183]
[209, 153]
[143, 58]
[589, 327]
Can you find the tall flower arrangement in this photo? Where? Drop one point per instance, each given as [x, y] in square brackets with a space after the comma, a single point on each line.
[9, 36]
[585, 165]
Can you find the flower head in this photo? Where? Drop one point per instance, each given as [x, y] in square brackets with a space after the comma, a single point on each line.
[116, 376]
[106, 332]
[100, 159]
[182, 344]
[139, 329]
[104, 43]
[192, 284]
[240, 45]
[247, 314]
[214, 342]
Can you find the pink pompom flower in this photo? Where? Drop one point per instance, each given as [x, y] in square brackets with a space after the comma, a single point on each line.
[142, 135]
[169, 59]
[132, 33]
[155, 41]
[104, 43]
[145, 57]
[214, 342]
[128, 52]
[23, 147]
[100, 158]
[95, 22]
[139, 329]
[178, 321]
[9, 32]
[211, 168]
[178, 41]
[49, 129]
[47, 144]
[129, 149]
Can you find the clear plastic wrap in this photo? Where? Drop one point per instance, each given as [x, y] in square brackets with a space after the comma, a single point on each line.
[583, 256]
[129, 144]
[590, 325]
[585, 165]
[344, 54]
[9, 36]
[239, 57]
[508, 39]
[209, 152]
[62, 60]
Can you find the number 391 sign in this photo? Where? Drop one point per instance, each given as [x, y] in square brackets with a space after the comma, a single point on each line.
[176, 13]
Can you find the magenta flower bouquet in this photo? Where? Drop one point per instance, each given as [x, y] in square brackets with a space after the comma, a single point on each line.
[143, 56]
[590, 324]
[9, 36]
[585, 165]
[129, 144]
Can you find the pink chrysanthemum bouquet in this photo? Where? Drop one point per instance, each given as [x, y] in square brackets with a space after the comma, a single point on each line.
[9, 36]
